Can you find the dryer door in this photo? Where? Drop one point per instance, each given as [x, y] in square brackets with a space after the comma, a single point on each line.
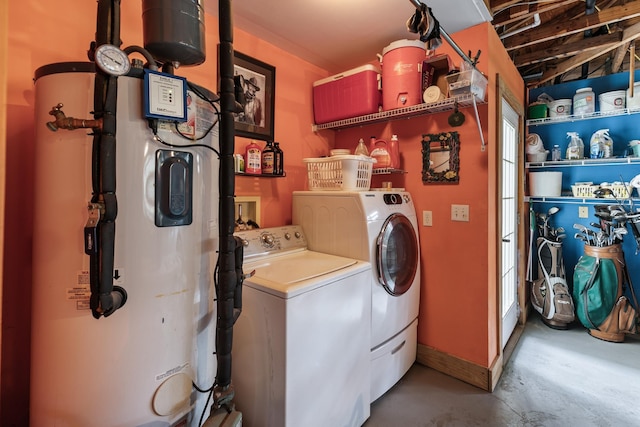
[397, 254]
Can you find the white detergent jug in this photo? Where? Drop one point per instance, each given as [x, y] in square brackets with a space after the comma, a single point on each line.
[601, 144]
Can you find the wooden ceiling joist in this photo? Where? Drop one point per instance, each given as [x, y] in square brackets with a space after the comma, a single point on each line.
[564, 50]
[585, 22]
[629, 34]
[504, 19]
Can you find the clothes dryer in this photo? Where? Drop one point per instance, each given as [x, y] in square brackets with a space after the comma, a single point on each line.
[301, 343]
[379, 227]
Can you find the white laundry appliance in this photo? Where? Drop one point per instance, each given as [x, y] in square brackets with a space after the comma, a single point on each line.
[379, 227]
[301, 343]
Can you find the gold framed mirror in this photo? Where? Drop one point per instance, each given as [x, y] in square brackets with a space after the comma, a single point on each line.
[441, 158]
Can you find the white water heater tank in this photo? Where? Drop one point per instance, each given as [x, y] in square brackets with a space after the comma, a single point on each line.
[135, 367]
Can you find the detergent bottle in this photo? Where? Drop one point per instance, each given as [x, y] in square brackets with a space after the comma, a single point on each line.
[601, 144]
[379, 151]
[575, 150]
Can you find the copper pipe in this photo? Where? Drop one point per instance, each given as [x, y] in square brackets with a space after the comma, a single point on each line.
[70, 123]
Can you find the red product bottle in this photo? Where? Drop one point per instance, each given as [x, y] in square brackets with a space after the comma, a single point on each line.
[379, 151]
[394, 152]
[253, 158]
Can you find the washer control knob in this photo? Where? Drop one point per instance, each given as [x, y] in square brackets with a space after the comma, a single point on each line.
[268, 239]
[287, 236]
[298, 235]
[245, 242]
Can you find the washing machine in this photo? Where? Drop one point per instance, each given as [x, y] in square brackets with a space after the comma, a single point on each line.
[301, 344]
[378, 227]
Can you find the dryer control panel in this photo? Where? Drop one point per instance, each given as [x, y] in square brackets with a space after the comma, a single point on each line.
[270, 241]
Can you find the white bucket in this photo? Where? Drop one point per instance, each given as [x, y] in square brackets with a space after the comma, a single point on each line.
[612, 101]
[560, 108]
[545, 184]
[633, 102]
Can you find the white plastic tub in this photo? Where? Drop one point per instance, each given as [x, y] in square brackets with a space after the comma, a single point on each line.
[633, 102]
[545, 184]
[612, 101]
[560, 108]
[584, 101]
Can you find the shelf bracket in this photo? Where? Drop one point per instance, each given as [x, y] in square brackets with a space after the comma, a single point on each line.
[475, 109]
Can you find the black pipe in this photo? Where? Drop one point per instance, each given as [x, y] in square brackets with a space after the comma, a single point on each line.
[105, 298]
[227, 269]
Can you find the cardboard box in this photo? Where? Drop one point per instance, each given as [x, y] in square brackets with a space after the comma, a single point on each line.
[434, 72]
[350, 94]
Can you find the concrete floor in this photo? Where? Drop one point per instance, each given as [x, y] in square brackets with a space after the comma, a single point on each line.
[553, 378]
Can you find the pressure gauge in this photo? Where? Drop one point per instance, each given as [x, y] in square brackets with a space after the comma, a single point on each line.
[112, 60]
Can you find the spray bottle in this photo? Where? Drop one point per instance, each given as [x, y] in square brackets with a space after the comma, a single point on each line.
[575, 150]
[361, 149]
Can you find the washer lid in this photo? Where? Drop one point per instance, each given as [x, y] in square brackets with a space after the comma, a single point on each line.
[291, 274]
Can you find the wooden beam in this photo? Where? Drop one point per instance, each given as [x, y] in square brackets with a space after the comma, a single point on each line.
[503, 19]
[630, 33]
[498, 5]
[618, 57]
[586, 22]
[567, 49]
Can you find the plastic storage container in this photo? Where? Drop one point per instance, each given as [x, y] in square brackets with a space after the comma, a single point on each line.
[633, 102]
[612, 101]
[402, 73]
[465, 82]
[353, 93]
[584, 101]
[560, 108]
[346, 173]
[545, 184]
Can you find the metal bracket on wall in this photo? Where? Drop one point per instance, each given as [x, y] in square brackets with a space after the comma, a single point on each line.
[475, 109]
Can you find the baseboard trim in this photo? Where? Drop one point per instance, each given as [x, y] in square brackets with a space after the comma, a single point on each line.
[464, 370]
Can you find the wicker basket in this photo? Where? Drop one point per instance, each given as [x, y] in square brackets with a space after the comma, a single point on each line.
[339, 173]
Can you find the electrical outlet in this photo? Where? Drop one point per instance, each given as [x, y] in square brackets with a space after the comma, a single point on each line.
[427, 218]
[460, 213]
[583, 212]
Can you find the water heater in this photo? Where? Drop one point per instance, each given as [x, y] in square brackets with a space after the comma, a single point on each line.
[135, 367]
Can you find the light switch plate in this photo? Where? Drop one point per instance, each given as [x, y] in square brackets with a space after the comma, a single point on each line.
[460, 213]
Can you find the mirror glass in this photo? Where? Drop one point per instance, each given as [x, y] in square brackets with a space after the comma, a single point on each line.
[440, 158]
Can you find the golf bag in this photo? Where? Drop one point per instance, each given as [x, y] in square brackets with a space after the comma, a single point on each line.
[599, 281]
[550, 294]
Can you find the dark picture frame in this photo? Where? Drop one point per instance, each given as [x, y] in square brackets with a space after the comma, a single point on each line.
[257, 81]
[441, 158]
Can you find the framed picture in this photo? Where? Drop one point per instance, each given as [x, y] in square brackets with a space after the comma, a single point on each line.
[256, 80]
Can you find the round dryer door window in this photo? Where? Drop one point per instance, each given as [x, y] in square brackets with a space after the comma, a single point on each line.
[397, 254]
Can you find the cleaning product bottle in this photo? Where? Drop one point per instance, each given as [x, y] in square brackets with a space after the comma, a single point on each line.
[394, 152]
[379, 152]
[268, 159]
[575, 150]
[361, 149]
[601, 144]
[253, 158]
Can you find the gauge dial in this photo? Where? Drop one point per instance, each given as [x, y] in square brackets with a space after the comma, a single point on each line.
[112, 60]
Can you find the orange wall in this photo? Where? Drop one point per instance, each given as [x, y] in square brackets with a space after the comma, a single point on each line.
[458, 266]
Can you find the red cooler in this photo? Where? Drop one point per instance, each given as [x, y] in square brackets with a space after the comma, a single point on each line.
[353, 93]
[402, 73]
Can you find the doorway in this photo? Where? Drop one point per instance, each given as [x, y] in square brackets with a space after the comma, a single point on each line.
[510, 134]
